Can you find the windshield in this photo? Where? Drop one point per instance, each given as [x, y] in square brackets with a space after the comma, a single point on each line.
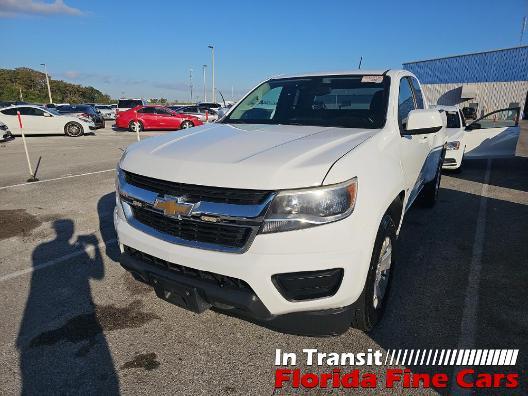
[353, 101]
[52, 111]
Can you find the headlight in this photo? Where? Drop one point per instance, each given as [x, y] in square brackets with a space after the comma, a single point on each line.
[453, 145]
[297, 209]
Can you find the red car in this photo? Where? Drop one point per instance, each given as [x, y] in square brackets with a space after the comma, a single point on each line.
[155, 117]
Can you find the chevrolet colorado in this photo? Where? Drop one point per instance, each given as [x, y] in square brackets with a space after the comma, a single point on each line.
[287, 210]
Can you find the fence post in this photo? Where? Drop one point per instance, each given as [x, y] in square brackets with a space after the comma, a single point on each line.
[32, 177]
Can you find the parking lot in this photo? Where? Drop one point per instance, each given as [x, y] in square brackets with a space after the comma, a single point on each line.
[73, 321]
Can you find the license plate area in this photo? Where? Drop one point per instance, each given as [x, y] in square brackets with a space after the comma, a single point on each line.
[179, 294]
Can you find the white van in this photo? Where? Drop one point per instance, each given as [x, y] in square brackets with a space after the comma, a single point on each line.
[127, 104]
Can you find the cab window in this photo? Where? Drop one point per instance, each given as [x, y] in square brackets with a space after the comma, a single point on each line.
[405, 102]
[417, 93]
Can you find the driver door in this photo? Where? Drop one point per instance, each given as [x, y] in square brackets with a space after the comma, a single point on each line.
[493, 136]
[34, 121]
[148, 116]
[414, 148]
[167, 119]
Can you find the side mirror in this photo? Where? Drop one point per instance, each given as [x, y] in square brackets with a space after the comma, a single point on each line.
[47, 114]
[421, 122]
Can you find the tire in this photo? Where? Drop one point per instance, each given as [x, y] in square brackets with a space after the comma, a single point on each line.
[369, 308]
[429, 193]
[186, 124]
[132, 126]
[73, 129]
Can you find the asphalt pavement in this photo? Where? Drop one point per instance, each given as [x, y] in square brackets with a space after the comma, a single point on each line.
[74, 322]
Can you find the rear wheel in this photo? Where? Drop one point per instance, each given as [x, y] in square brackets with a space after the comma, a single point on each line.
[369, 308]
[186, 124]
[132, 126]
[73, 129]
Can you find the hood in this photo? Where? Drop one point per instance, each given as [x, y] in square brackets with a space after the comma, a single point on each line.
[454, 134]
[244, 156]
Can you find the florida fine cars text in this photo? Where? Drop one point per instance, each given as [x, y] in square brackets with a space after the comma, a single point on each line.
[341, 377]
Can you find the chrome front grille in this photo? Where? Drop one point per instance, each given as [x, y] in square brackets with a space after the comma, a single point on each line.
[223, 219]
[195, 193]
[231, 235]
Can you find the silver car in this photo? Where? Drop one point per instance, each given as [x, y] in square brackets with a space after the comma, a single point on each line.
[202, 113]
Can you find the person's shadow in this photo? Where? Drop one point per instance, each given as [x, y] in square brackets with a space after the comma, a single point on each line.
[61, 342]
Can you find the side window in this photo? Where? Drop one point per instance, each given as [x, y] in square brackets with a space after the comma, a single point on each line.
[405, 102]
[37, 112]
[417, 93]
[25, 111]
[12, 111]
[162, 111]
[147, 110]
[452, 119]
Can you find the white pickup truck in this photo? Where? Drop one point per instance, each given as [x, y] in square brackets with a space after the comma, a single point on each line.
[287, 210]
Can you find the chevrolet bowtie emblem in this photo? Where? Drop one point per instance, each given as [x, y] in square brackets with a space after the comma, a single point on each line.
[173, 206]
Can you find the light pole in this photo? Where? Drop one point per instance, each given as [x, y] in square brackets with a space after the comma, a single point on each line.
[47, 81]
[204, 87]
[212, 57]
[190, 82]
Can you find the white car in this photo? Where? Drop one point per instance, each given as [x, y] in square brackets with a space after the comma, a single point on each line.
[106, 111]
[494, 135]
[455, 131]
[127, 104]
[39, 120]
[202, 113]
[286, 211]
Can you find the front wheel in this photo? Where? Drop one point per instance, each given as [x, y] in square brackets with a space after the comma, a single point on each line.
[133, 126]
[429, 193]
[369, 308]
[73, 129]
[186, 124]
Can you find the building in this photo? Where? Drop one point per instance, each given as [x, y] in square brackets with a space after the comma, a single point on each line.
[488, 80]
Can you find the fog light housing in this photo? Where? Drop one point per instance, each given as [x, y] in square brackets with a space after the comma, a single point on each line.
[308, 285]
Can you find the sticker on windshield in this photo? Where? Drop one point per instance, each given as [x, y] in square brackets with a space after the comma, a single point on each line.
[372, 79]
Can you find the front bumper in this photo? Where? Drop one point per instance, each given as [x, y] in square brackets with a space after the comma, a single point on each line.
[6, 136]
[231, 297]
[344, 244]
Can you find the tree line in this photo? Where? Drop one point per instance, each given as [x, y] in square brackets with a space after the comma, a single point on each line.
[28, 85]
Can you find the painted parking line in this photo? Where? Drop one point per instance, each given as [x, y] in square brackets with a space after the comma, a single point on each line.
[58, 260]
[57, 178]
[468, 328]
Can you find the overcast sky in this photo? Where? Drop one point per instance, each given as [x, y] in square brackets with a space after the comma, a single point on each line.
[146, 48]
